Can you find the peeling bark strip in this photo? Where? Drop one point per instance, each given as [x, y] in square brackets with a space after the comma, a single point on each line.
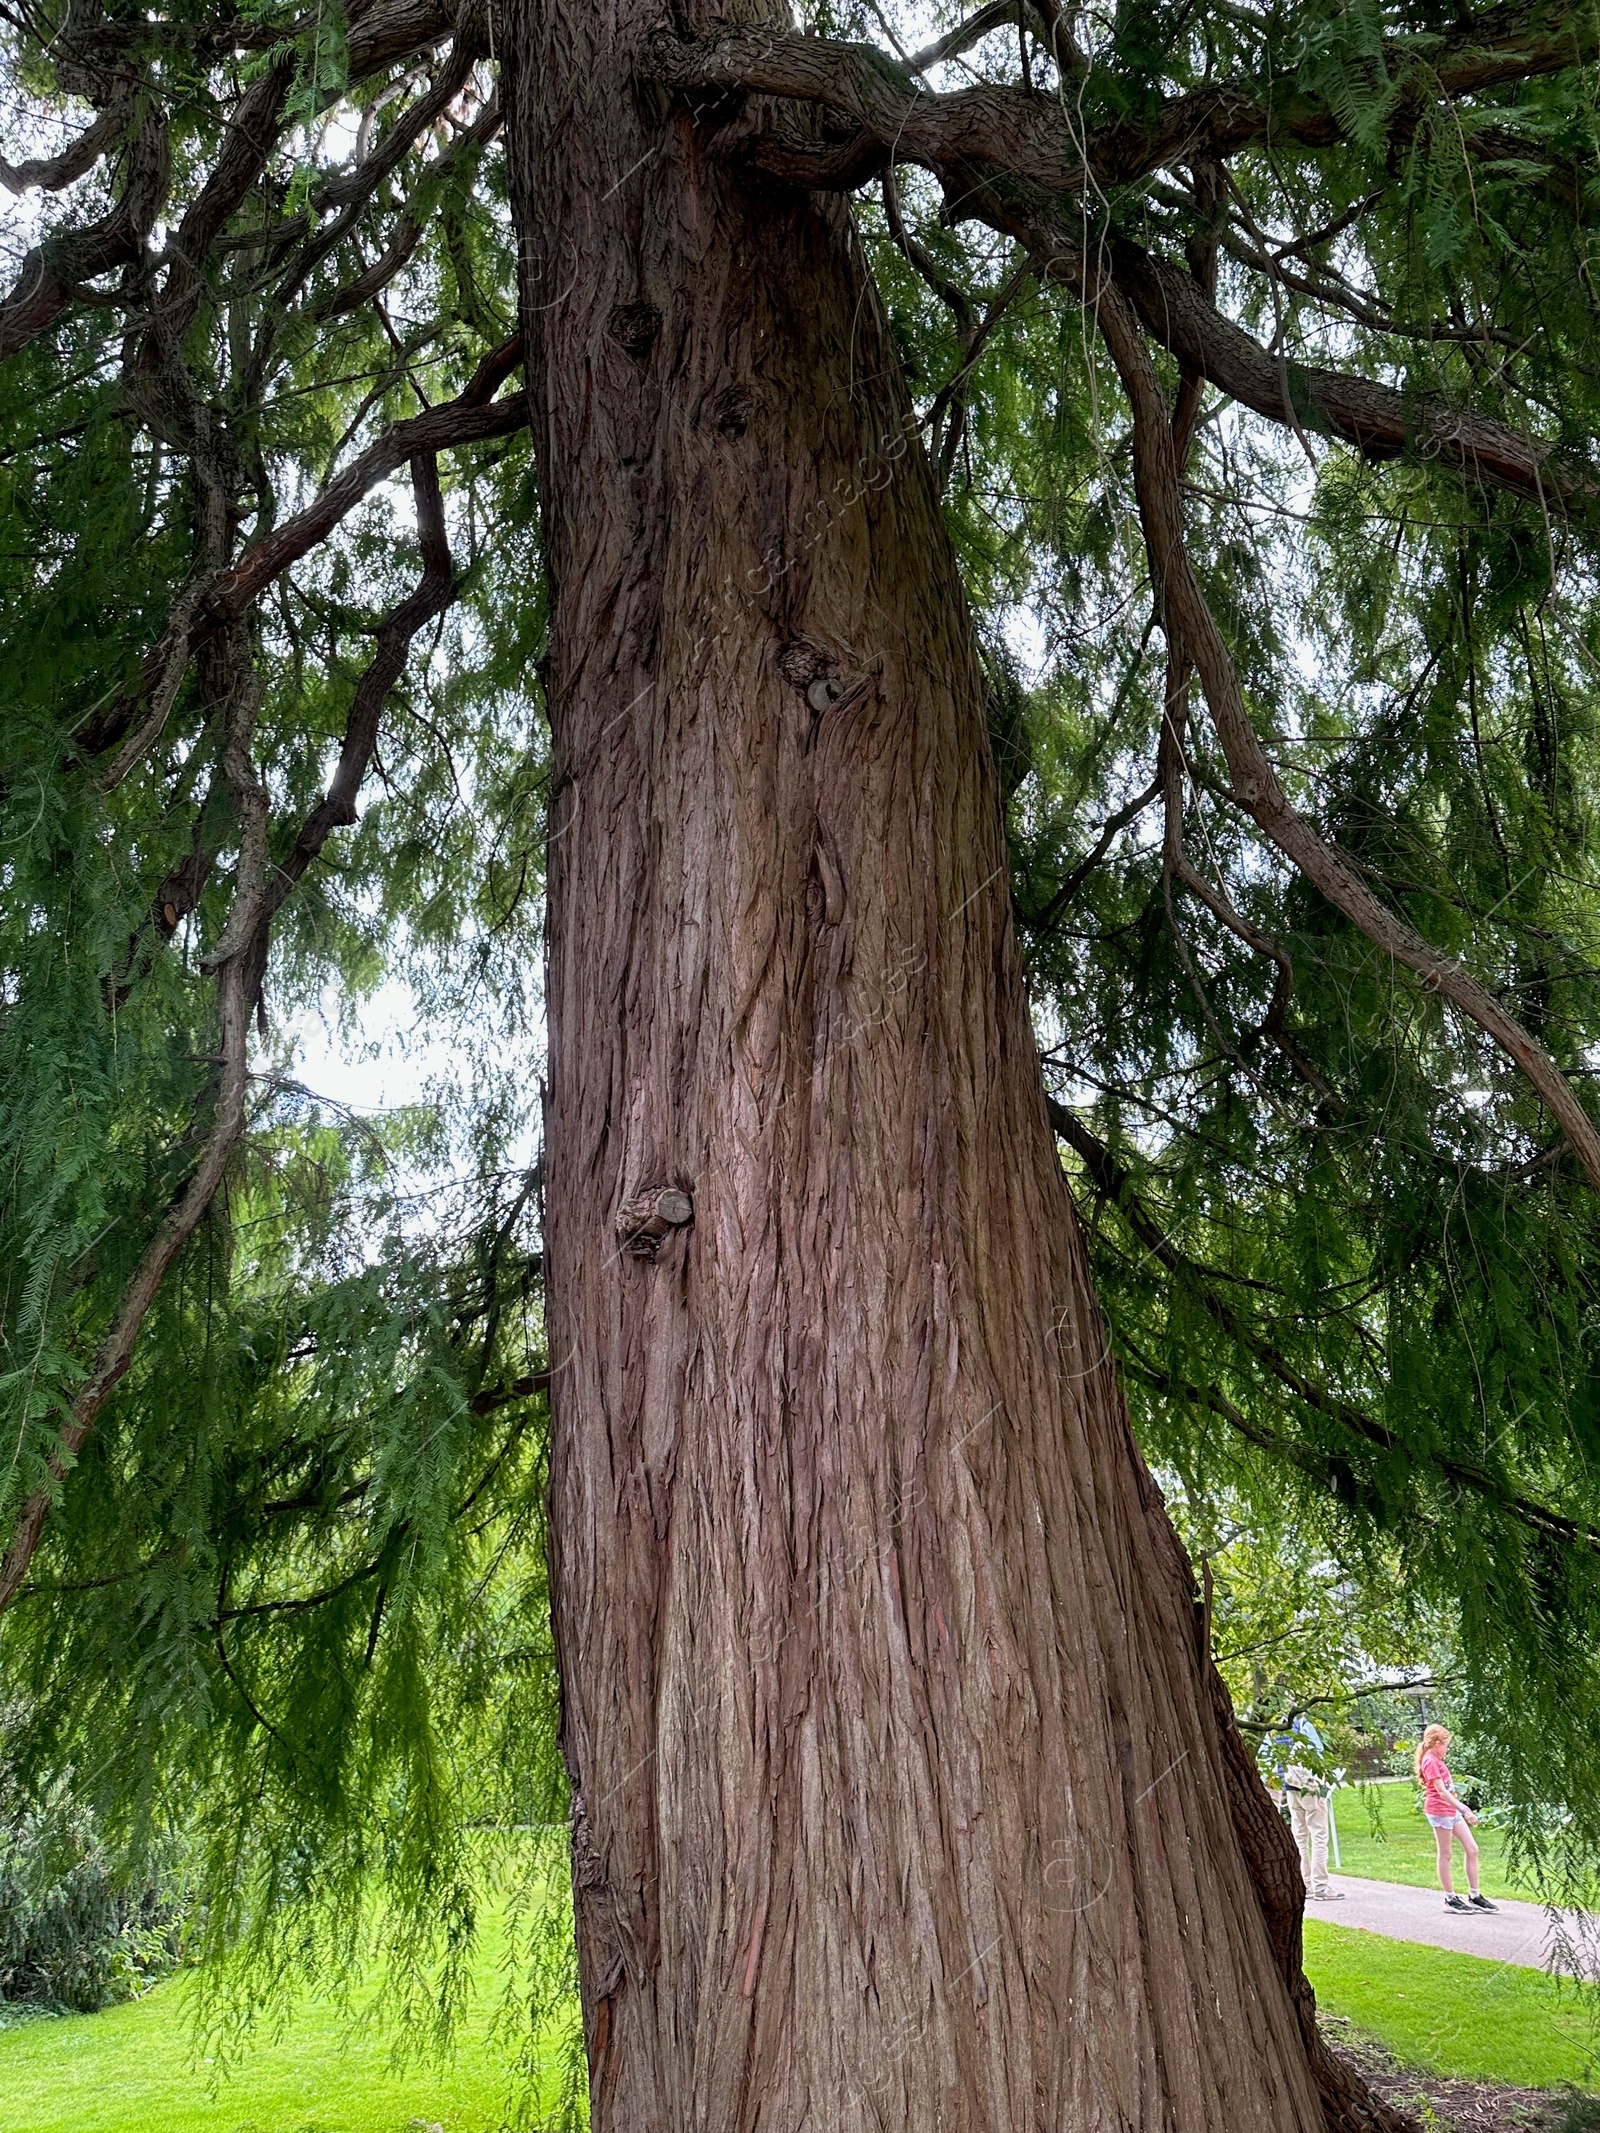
[903, 1796]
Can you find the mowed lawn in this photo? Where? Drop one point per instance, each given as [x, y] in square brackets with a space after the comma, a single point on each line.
[1404, 1851]
[133, 2069]
[1454, 2014]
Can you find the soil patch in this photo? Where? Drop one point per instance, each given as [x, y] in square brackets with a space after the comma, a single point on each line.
[1445, 2106]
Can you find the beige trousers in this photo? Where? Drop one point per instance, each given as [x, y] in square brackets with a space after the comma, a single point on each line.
[1308, 1818]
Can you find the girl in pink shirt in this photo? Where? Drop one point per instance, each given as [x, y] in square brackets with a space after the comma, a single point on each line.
[1450, 1819]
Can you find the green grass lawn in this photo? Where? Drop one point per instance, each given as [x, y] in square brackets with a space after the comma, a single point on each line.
[1405, 1850]
[132, 2069]
[1454, 2014]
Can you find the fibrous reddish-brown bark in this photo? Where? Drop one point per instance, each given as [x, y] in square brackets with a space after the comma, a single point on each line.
[905, 1796]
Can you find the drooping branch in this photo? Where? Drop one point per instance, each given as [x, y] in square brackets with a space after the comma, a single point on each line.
[1177, 867]
[1380, 422]
[1112, 1182]
[337, 807]
[474, 418]
[947, 417]
[1113, 826]
[183, 1218]
[409, 229]
[1191, 625]
[239, 960]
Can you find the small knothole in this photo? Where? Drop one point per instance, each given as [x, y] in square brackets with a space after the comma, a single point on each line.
[634, 328]
[730, 411]
[645, 1219]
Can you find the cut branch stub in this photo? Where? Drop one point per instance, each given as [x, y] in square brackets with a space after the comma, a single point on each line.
[644, 1220]
[823, 677]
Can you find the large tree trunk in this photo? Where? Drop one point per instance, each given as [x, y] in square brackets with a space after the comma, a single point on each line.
[903, 1795]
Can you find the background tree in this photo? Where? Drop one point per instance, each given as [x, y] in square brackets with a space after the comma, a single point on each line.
[1266, 334]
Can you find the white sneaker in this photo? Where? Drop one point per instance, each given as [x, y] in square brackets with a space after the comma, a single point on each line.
[1327, 1895]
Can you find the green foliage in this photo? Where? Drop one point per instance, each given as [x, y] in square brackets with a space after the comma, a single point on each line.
[80, 1928]
[293, 1595]
[1347, 1264]
[291, 1592]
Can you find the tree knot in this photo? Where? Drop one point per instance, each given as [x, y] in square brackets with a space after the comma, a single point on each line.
[645, 1219]
[729, 411]
[821, 676]
[634, 328]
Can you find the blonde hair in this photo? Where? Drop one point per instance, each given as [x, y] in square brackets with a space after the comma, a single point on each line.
[1432, 1737]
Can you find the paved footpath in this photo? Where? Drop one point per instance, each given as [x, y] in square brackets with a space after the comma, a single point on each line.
[1513, 1932]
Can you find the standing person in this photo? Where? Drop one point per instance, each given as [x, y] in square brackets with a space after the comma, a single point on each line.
[1449, 1818]
[1306, 1788]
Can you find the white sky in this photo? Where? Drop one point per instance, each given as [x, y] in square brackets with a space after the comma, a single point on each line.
[382, 1061]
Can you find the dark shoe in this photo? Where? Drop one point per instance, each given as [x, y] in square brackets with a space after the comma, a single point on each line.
[1457, 1903]
[1482, 1903]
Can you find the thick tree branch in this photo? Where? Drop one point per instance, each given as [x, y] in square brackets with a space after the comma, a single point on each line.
[1380, 422]
[352, 192]
[383, 32]
[474, 418]
[1006, 156]
[993, 127]
[56, 268]
[249, 138]
[51, 173]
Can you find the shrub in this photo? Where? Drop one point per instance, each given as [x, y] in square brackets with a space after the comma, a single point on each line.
[80, 1927]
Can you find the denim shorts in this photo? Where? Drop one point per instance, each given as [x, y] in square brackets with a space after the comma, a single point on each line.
[1448, 1821]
